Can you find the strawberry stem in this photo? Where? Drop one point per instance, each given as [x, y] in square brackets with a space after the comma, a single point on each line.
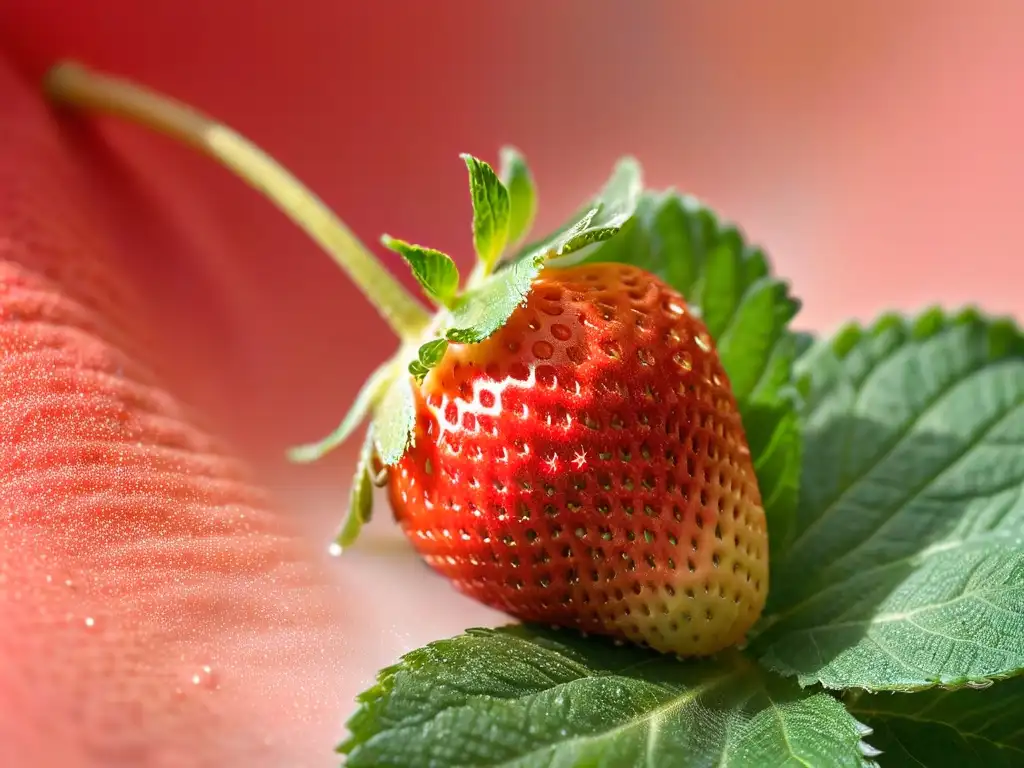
[72, 84]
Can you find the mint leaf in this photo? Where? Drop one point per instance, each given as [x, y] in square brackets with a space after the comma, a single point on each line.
[747, 311]
[434, 271]
[523, 697]
[394, 420]
[908, 570]
[515, 175]
[965, 727]
[481, 311]
[360, 500]
[428, 356]
[492, 211]
[370, 391]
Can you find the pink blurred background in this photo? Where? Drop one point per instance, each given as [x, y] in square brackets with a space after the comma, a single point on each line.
[875, 151]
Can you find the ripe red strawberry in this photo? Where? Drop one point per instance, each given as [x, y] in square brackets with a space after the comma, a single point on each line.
[586, 466]
[562, 443]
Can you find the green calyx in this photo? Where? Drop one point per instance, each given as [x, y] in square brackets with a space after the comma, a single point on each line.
[504, 207]
[724, 279]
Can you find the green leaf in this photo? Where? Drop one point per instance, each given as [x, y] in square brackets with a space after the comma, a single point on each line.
[481, 311]
[804, 341]
[360, 500]
[747, 311]
[776, 442]
[369, 393]
[600, 218]
[394, 420]
[908, 570]
[492, 211]
[961, 728]
[515, 175]
[435, 271]
[522, 697]
[428, 356]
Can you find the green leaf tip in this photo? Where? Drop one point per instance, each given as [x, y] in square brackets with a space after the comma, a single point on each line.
[492, 211]
[621, 192]
[360, 501]
[428, 356]
[515, 175]
[365, 399]
[599, 219]
[436, 273]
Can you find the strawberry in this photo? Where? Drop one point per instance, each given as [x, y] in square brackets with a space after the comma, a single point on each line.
[586, 466]
[560, 438]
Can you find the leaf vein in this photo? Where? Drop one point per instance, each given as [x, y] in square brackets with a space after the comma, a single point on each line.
[930, 405]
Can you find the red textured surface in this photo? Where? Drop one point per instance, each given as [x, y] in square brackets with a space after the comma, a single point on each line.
[140, 563]
[586, 466]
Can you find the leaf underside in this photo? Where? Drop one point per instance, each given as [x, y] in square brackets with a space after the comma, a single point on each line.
[958, 728]
[479, 313]
[394, 420]
[522, 696]
[908, 570]
[360, 501]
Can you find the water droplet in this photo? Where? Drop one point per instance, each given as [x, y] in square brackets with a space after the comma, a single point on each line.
[90, 622]
[334, 550]
[206, 678]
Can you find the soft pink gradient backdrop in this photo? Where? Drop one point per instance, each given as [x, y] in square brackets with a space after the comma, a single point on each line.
[874, 150]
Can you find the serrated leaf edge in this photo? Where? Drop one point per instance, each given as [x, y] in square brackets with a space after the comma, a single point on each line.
[923, 325]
